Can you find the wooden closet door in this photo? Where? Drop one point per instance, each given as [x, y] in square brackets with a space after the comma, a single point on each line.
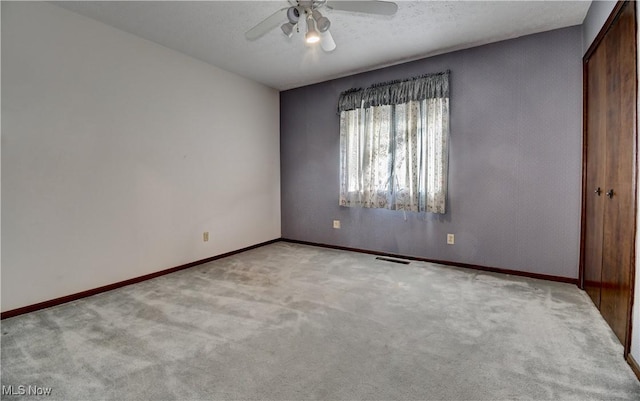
[619, 205]
[610, 163]
[595, 145]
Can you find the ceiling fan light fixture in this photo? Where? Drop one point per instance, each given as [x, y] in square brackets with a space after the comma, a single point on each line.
[317, 24]
[326, 41]
[288, 29]
[312, 35]
[322, 22]
[293, 15]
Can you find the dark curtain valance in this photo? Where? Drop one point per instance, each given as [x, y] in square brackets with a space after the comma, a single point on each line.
[397, 92]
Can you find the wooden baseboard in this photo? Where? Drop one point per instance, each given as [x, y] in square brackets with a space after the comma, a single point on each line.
[634, 365]
[109, 287]
[444, 262]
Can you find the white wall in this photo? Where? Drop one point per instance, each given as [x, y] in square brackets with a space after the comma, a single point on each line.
[117, 154]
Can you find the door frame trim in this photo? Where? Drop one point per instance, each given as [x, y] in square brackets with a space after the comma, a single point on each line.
[615, 13]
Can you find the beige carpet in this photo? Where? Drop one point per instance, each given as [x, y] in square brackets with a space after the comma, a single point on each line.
[289, 321]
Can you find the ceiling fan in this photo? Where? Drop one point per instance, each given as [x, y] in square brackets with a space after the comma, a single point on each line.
[316, 23]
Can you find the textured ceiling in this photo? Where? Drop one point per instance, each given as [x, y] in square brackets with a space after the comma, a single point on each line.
[213, 31]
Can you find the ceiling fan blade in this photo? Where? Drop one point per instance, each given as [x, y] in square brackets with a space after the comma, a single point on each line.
[326, 41]
[368, 7]
[267, 24]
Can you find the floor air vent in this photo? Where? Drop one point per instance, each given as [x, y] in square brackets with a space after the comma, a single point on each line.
[402, 262]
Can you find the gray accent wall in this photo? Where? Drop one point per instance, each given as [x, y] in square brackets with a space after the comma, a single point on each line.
[515, 160]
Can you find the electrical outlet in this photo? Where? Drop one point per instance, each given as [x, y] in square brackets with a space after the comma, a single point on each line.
[451, 239]
[205, 236]
[336, 224]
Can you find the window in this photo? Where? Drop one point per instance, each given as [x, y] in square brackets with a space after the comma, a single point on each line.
[394, 141]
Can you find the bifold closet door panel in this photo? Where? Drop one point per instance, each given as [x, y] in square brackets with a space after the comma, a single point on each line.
[595, 173]
[619, 213]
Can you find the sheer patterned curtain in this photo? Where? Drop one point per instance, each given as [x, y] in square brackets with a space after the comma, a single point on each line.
[394, 142]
